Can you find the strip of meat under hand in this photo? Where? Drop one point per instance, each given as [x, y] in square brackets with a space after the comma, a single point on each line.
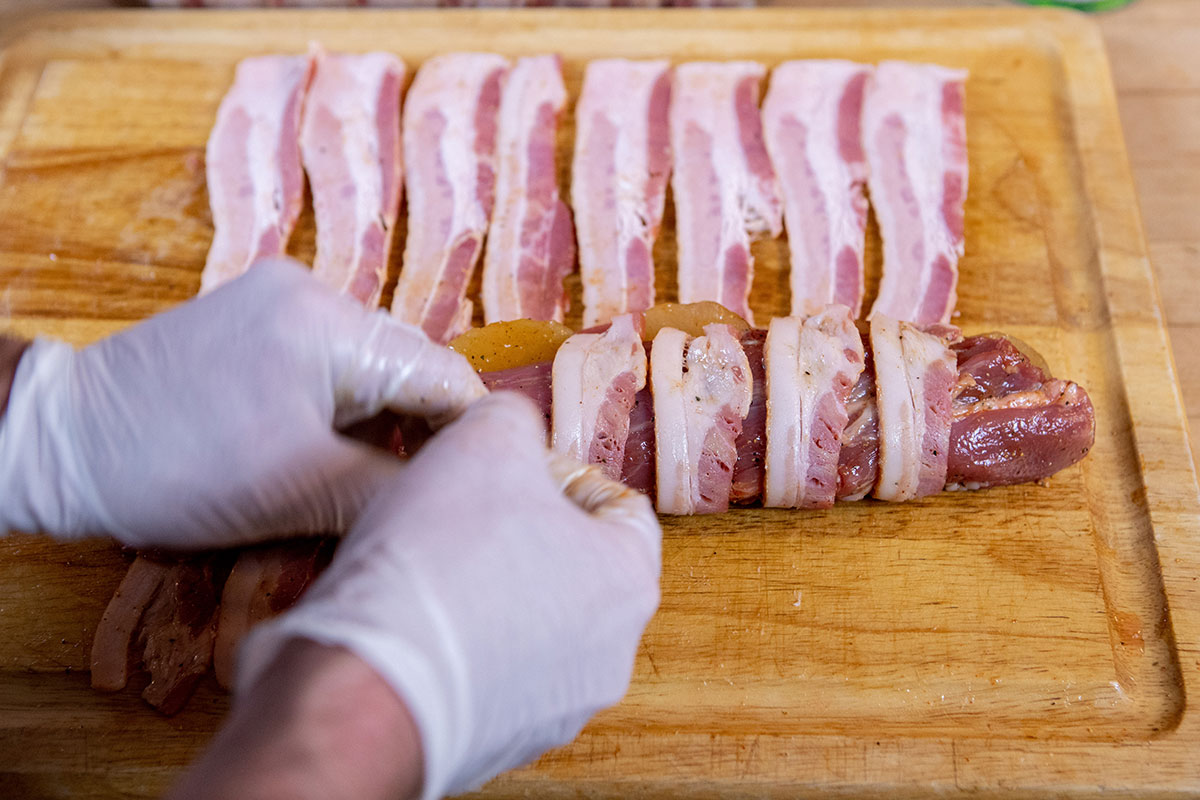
[812, 118]
[701, 394]
[724, 186]
[619, 182]
[255, 181]
[595, 379]
[915, 137]
[350, 146]
[531, 241]
[811, 365]
[450, 148]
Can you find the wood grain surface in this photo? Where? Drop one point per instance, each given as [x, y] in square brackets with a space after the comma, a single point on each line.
[1030, 639]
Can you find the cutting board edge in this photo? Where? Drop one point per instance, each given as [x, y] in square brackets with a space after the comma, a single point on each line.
[1060, 24]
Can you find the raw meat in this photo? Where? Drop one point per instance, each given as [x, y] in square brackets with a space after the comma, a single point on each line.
[450, 147]
[724, 186]
[812, 121]
[701, 394]
[915, 377]
[531, 241]
[595, 379]
[350, 146]
[619, 182]
[812, 364]
[915, 137]
[255, 181]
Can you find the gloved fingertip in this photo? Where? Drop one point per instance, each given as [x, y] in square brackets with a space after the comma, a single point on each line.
[508, 410]
[279, 265]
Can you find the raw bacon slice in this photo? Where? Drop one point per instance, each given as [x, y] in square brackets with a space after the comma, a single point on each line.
[724, 187]
[255, 182]
[596, 377]
[450, 149]
[812, 119]
[350, 145]
[531, 244]
[264, 582]
[915, 377]
[701, 394]
[915, 137]
[619, 182]
[811, 366]
[112, 653]
[161, 620]
[1013, 423]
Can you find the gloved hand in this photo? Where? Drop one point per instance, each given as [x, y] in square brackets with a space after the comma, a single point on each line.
[212, 424]
[500, 590]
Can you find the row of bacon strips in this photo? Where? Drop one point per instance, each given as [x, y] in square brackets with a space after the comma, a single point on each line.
[825, 130]
[702, 389]
[479, 138]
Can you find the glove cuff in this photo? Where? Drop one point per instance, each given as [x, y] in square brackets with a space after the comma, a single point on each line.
[40, 473]
[424, 677]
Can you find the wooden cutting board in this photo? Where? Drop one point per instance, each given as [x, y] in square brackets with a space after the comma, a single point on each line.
[1031, 639]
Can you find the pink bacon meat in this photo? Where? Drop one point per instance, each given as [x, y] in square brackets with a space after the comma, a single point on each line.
[812, 118]
[702, 391]
[531, 240]
[450, 148]
[915, 377]
[915, 136]
[255, 182]
[811, 366]
[724, 186]
[350, 145]
[595, 379]
[619, 182]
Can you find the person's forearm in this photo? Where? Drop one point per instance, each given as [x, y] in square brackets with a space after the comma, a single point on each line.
[11, 350]
[319, 724]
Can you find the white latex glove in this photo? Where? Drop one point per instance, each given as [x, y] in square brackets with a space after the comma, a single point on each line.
[500, 590]
[212, 424]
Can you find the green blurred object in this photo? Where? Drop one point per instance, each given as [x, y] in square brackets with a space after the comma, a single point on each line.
[1081, 5]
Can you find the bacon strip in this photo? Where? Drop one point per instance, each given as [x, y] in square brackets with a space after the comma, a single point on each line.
[619, 182]
[812, 118]
[915, 376]
[532, 241]
[595, 379]
[915, 137]
[350, 145]
[450, 147]
[255, 182]
[858, 464]
[701, 394]
[264, 582]
[724, 186]
[811, 366]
